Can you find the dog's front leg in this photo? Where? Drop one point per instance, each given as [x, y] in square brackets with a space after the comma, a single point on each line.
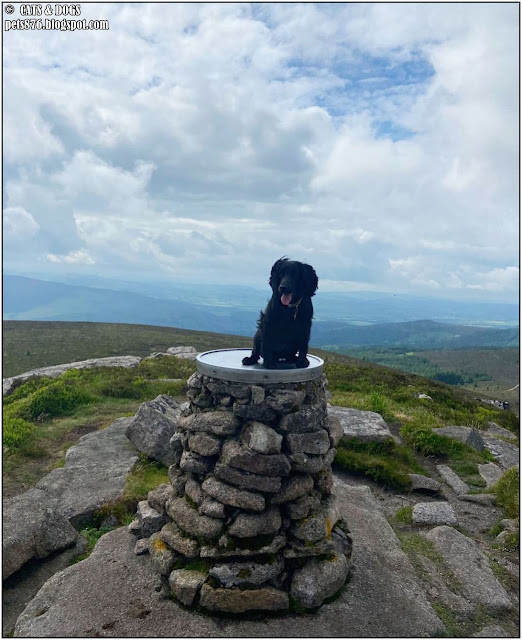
[256, 351]
[302, 360]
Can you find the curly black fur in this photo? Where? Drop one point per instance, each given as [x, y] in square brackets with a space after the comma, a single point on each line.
[284, 330]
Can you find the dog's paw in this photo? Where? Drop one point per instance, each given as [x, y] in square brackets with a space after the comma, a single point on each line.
[249, 360]
[302, 363]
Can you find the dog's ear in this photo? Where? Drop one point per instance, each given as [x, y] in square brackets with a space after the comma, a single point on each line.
[275, 274]
[309, 280]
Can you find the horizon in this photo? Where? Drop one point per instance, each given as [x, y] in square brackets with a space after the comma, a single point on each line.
[90, 280]
[191, 143]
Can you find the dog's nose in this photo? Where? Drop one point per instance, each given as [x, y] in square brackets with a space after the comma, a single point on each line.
[283, 288]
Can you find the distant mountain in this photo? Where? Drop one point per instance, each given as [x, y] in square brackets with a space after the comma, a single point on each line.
[419, 334]
[231, 311]
[31, 299]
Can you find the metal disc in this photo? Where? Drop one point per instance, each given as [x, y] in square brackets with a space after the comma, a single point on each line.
[225, 364]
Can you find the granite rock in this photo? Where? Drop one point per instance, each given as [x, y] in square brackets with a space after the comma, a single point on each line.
[227, 494]
[261, 438]
[192, 522]
[434, 513]
[247, 525]
[239, 601]
[318, 580]
[246, 480]
[235, 455]
[152, 428]
[185, 585]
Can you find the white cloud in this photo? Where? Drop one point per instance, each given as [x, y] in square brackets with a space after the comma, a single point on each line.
[19, 222]
[377, 141]
[74, 257]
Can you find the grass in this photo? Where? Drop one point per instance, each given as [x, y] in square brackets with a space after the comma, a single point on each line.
[77, 394]
[507, 492]
[146, 476]
[43, 416]
[403, 515]
[385, 463]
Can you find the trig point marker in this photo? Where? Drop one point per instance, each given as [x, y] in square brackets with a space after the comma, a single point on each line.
[250, 522]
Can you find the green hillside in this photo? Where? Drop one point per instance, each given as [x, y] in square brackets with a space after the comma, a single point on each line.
[44, 416]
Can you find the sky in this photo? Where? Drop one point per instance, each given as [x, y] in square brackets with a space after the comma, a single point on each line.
[201, 142]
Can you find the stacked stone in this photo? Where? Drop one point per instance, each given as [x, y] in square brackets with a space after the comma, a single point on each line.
[248, 521]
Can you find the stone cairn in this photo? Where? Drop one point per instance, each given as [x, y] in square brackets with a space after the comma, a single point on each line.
[248, 521]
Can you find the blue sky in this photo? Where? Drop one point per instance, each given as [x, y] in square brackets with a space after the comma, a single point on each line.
[200, 142]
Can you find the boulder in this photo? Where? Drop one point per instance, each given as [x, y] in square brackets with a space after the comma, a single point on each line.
[187, 353]
[493, 631]
[311, 529]
[424, 484]
[32, 528]
[367, 426]
[506, 455]
[193, 491]
[490, 472]
[452, 479]
[95, 471]
[471, 568]
[496, 431]
[466, 435]
[318, 580]
[433, 513]
[152, 428]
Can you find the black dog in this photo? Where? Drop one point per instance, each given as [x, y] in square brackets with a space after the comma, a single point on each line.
[284, 326]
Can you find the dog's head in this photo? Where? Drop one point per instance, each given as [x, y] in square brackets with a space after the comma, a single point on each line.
[292, 280]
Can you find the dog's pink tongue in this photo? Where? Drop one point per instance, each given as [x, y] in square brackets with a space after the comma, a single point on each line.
[286, 299]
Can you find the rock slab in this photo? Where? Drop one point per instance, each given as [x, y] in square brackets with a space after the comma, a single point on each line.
[32, 528]
[94, 473]
[56, 370]
[471, 568]
[367, 426]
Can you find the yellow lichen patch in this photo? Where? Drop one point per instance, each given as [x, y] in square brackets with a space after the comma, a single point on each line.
[159, 545]
[329, 527]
